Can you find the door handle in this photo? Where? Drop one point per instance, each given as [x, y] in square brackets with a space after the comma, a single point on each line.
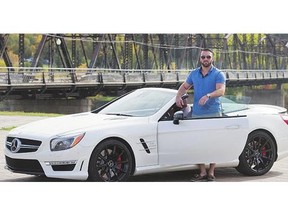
[232, 127]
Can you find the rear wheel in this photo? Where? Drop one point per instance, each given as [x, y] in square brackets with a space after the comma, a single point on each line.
[258, 155]
[110, 161]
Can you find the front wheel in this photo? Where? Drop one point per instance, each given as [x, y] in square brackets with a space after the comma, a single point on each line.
[110, 161]
[258, 155]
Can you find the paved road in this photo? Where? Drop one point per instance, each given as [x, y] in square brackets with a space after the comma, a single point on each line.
[278, 173]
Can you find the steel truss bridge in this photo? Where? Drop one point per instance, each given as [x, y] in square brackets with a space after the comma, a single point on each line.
[81, 65]
[143, 51]
[43, 83]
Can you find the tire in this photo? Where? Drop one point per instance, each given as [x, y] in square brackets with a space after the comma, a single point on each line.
[112, 161]
[258, 155]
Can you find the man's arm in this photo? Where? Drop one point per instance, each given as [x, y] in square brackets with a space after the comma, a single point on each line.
[220, 91]
[181, 91]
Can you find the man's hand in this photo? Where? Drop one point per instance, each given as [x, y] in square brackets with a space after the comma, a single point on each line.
[181, 91]
[203, 100]
[179, 102]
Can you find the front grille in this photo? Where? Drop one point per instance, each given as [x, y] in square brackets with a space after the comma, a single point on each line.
[25, 145]
[24, 166]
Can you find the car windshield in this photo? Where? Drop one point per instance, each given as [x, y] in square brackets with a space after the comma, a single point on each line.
[232, 103]
[140, 103]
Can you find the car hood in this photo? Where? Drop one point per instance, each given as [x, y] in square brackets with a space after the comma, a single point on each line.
[69, 123]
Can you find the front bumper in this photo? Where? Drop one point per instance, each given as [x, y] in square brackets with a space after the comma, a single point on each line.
[68, 164]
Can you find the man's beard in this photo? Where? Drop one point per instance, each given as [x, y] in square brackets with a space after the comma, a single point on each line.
[206, 64]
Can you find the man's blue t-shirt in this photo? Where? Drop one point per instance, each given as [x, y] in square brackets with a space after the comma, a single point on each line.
[204, 85]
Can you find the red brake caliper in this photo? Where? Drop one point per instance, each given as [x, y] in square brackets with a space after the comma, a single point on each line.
[119, 159]
[263, 151]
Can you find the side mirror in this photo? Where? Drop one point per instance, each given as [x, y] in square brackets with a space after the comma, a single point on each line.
[178, 116]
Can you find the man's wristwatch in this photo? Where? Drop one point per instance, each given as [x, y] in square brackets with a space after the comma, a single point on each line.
[208, 95]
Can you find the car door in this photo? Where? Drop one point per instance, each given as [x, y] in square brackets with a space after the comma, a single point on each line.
[205, 140]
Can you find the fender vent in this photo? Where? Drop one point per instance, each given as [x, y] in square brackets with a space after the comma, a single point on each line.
[145, 145]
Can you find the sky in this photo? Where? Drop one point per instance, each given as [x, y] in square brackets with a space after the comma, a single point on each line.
[149, 16]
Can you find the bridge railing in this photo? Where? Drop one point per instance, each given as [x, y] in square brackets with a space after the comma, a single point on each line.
[110, 77]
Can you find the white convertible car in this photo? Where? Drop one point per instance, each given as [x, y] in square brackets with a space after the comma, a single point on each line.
[144, 132]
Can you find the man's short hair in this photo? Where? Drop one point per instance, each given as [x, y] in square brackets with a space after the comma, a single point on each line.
[207, 49]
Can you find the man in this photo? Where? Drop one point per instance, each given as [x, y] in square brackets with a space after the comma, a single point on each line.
[209, 85]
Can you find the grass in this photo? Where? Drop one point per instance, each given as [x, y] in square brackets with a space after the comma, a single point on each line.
[8, 128]
[8, 113]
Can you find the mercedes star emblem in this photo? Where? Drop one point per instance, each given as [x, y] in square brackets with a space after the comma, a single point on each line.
[15, 145]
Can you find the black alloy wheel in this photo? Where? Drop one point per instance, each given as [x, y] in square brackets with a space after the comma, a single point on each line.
[258, 155]
[110, 161]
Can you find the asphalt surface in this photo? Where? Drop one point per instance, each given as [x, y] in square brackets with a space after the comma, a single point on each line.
[278, 173]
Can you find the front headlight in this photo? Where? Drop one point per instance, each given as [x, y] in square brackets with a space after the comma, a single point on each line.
[65, 142]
